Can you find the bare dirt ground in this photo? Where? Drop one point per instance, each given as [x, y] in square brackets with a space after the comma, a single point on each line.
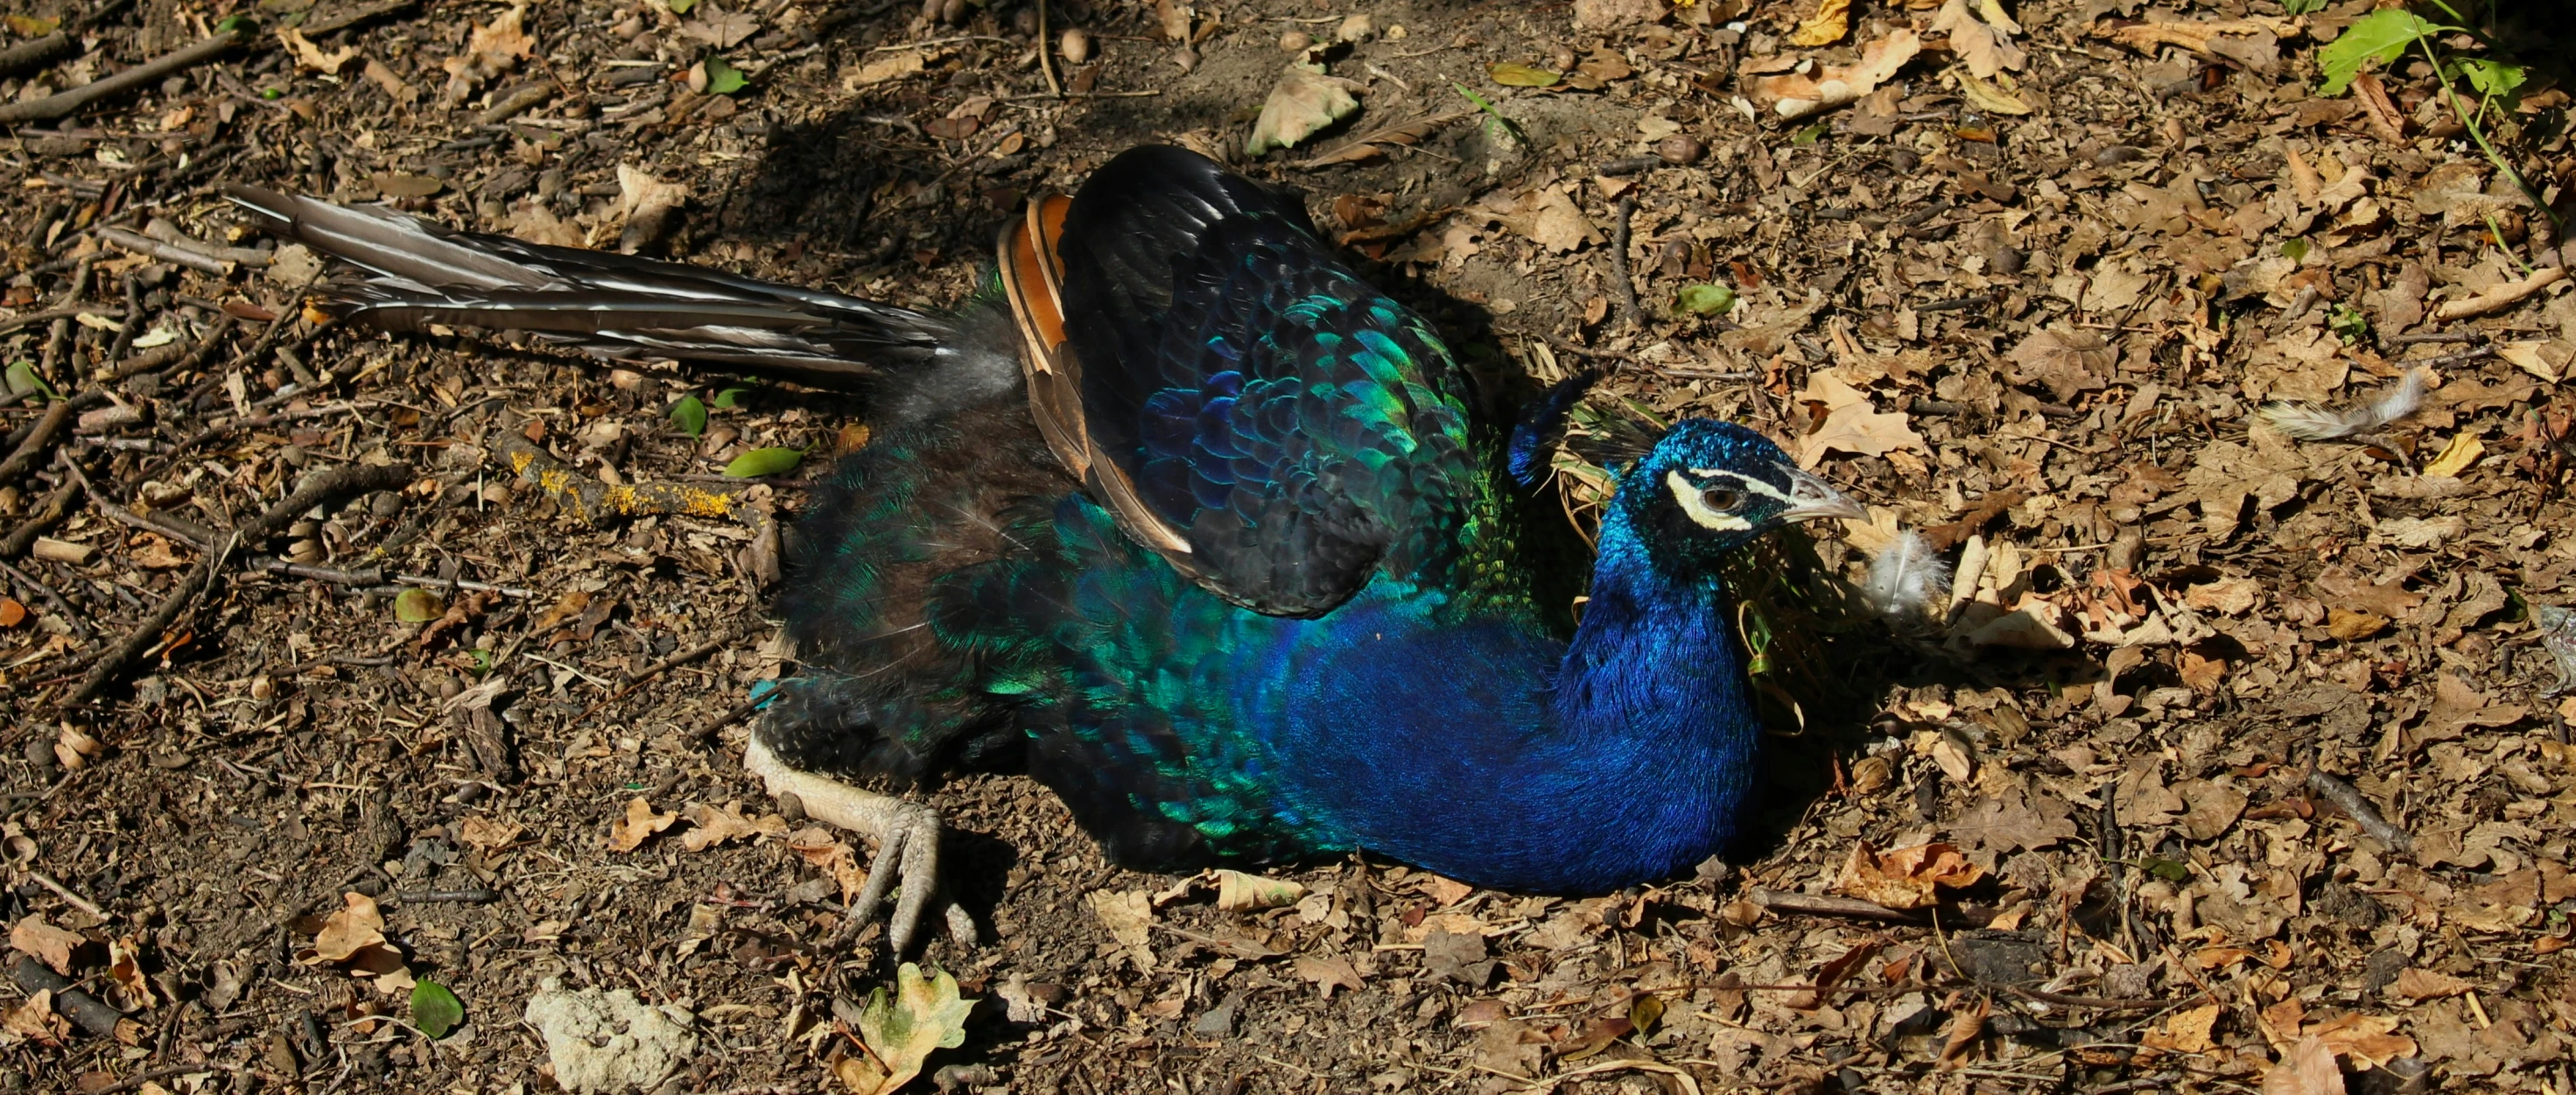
[2231, 764]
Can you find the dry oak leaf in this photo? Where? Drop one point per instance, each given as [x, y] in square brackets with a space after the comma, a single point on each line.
[713, 825]
[2184, 1031]
[1327, 972]
[1831, 21]
[1905, 878]
[721, 29]
[1796, 95]
[1986, 46]
[495, 47]
[1861, 430]
[2370, 1040]
[832, 857]
[2415, 983]
[2307, 1069]
[312, 56]
[2017, 821]
[1301, 103]
[639, 822]
[1549, 217]
[39, 939]
[2069, 362]
[35, 1021]
[356, 927]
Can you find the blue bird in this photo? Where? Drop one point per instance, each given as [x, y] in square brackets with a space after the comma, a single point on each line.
[1197, 524]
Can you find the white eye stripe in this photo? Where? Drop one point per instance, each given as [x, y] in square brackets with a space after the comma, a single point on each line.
[1687, 493]
[1748, 483]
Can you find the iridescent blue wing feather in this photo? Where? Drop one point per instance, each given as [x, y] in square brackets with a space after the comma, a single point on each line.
[1297, 428]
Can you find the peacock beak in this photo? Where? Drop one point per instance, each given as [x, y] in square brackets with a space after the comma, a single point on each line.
[1811, 497]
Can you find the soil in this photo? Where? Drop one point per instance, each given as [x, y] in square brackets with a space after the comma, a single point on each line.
[2234, 761]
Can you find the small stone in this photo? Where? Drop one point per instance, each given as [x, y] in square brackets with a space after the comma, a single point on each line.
[1680, 149]
[1026, 22]
[1561, 58]
[1075, 45]
[1296, 41]
[1357, 28]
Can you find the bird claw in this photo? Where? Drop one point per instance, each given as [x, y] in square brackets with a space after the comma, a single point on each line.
[907, 836]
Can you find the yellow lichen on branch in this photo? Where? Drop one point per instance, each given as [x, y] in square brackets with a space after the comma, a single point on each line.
[595, 502]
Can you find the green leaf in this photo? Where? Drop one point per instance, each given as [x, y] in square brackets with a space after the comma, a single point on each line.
[2302, 7]
[2492, 79]
[2294, 249]
[1707, 300]
[2373, 40]
[418, 606]
[1809, 135]
[1494, 119]
[690, 416]
[23, 380]
[1516, 74]
[2167, 869]
[2349, 323]
[236, 24]
[723, 78]
[731, 397]
[759, 462]
[434, 1009]
[681, 7]
[924, 1014]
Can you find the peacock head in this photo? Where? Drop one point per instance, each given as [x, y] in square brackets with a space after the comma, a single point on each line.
[1710, 487]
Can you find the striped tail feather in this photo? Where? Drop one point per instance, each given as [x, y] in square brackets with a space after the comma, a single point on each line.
[418, 273]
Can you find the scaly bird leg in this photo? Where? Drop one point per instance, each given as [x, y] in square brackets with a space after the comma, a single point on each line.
[907, 836]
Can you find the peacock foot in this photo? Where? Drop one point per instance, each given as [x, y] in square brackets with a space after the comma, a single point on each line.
[906, 834]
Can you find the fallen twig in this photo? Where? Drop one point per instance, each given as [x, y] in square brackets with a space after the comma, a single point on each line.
[2355, 805]
[1619, 278]
[2500, 297]
[41, 51]
[731, 635]
[52, 509]
[42, 592]
[37, 438]
[1784, 901]
[90, 1012]
[347, 479]
[149, 72]
[167, 252]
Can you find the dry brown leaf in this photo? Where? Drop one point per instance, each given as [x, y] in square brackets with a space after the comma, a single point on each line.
[2417, 984]
[2069, 362]
[487, 835]
[125, 971]
[1302, 102]
[356, 927]
[884, 67]
[1796, 95]
[638, 823]
[35, 1021]
[312, 56]
[1549, 217]
[2307, 1069]
[834, 858]
[1129, 916]
[647, 204]
[1987, 49]
[530, 220]
[1860, 430]
[1240, 892]
[2017, 821]
[1831, 21]
[713, 825]
[39, 939]
[1328, 972]
[1905, 878]
[2350, 626]
[495, 47]
[721, 29]
[2369, 1040]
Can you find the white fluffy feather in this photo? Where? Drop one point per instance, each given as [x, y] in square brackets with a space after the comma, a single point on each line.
[1905, 575]
[2310, 422]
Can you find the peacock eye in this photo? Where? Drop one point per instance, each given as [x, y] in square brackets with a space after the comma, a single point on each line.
[1720, 499]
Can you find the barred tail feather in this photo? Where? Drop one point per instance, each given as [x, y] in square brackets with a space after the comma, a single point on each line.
[615, 306]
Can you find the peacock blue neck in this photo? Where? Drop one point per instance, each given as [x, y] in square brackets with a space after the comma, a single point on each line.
[1538, 765]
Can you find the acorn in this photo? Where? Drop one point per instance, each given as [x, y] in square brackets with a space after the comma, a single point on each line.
[1680, 150]
[1075, 46]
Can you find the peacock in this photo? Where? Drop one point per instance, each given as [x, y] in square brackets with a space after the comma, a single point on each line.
[1201, 528]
